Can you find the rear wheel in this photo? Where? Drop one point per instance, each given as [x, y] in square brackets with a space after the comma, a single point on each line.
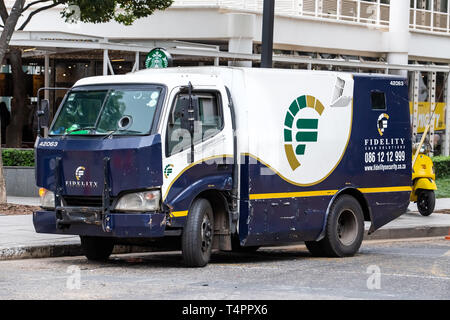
[426, 200]
[198, 234]
[344, 230]
[97, 248]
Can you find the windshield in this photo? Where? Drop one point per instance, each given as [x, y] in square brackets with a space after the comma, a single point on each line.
[100, 112]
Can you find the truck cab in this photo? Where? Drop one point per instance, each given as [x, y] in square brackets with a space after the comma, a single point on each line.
[113, 164]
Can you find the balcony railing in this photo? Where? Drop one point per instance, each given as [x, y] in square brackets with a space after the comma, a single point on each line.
[350, 11]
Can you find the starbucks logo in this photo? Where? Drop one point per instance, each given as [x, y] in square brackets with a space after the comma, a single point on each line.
[158, 58]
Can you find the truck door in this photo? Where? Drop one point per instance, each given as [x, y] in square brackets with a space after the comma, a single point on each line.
[384, 139]
[213, 143]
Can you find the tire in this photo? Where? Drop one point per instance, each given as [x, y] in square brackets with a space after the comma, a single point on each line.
[344, 230]
[426, 200]
[316, 248]
[198, 234]
[97, 248]
[236, 246]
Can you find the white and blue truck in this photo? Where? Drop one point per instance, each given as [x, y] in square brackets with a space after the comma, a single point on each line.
[226, 158]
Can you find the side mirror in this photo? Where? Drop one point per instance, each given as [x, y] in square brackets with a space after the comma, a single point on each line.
[43, 115]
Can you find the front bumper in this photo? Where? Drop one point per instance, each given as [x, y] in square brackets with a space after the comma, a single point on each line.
[123, 225]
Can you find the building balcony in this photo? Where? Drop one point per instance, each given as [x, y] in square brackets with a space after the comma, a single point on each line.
[427, 16]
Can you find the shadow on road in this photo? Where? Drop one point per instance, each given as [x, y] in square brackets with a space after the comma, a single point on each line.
[174, 259]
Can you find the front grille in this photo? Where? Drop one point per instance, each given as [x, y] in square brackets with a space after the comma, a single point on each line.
[95, 202]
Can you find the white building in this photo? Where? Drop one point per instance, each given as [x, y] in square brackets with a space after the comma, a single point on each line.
[397, 36]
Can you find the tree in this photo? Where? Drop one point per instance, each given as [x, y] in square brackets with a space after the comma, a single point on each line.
[99, 11]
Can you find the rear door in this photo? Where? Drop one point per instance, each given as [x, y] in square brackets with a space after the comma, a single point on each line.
[383, 132]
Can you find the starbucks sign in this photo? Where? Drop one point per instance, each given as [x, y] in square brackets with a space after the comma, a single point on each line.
[158, 58]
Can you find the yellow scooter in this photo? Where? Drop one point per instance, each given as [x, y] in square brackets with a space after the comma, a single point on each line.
[423, 179]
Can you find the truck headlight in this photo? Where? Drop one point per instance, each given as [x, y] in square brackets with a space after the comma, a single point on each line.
[141, 201]
[47, 199]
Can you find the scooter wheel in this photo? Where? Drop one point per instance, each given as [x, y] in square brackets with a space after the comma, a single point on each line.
[426, 201]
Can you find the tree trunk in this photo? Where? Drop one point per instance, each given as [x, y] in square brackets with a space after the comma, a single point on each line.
[10, 26]
[10, 23]
[18, 104]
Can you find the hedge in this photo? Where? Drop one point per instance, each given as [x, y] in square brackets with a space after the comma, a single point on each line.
[441, 167]
[18, 157]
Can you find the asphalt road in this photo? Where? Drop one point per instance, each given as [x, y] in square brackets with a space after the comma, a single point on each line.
[412, 269]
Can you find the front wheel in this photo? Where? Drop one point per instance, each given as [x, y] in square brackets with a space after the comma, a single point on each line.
[426, 200]
[97, 248]
[198, 234]
[344, 230]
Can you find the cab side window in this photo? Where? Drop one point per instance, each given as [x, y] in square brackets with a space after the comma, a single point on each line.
[210, 122]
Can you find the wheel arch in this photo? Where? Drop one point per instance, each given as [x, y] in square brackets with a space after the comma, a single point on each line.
[222, 225]
[355, 193]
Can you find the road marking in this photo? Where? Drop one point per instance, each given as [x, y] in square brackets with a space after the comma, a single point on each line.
[447, 254]
[435, 270]
[404, 275]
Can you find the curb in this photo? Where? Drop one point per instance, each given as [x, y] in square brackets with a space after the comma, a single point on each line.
[73, 250]
[405, 233]
[60, 250]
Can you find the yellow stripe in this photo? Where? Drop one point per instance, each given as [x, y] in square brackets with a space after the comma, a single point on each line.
[282, 195]
[388, 189]
[292, 194]
[178, 214]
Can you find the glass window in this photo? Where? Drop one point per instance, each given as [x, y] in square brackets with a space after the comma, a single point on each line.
[209, 123]
[100, 112]
[209, 115]
[378, 100]
[80, 110]
[139, 105]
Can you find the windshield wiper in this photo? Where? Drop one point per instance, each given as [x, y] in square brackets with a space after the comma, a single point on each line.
[111, 133]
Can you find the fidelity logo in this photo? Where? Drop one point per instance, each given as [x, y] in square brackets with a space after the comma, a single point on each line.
[79, 173]
[168, 170]
[299, 131]
[382, 123]
[79, 183]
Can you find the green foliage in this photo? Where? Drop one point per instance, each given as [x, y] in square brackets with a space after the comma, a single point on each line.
[101, 11]
[18, 157]
[441, 167]
[443, 186]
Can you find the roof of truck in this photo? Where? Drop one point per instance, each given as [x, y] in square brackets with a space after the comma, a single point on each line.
[202, 75]
[149, 77]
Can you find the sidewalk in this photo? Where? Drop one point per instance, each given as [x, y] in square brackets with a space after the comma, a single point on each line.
[18, 239]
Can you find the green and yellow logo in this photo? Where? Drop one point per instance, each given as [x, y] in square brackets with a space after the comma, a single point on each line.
[79, 173]
[300, 131]
[382, 123]
[168, 170]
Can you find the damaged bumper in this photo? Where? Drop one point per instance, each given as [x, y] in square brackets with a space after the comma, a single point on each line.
[123, 225]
